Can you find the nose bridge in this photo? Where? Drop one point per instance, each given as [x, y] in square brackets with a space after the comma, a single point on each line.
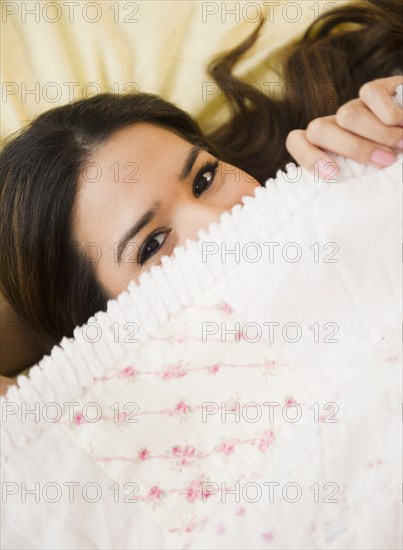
[193, 215]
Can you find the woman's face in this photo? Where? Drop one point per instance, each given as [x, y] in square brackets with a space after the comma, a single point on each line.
[145, 192]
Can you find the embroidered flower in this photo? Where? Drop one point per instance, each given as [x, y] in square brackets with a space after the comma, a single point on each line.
[226, 447]
[79, 419]
[268, 365]
[220, 529]
[225, 308]
[214, 368]
[238, 336]
[265, 441]
[129, 371]
[392, 359]
[181, 407]
[267, 537]
[191, 526]
[194, 491]
[232, 406]
[155, 493]
[144, 454]
[174, 371]
[189, 451]
[290, 401]
[122, 416]
[185, 454]
[197, 490]
[176, 450]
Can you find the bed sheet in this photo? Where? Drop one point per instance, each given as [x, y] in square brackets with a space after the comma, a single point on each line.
[246, 394]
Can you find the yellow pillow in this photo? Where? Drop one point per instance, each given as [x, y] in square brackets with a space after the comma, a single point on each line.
[63, 50]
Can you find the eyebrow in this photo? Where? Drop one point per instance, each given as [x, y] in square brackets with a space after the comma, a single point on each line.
[148, 216]
[145, 219]
[189, 161]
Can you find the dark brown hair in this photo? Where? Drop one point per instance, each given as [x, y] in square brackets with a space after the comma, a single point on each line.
[46, 278]
[339, 52]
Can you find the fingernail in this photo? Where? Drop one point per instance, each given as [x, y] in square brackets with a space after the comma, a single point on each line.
[400, 144]
[382, 157]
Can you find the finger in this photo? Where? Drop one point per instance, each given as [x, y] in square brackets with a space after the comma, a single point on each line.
[357, 118]
[326, 133]
[310, 157]
[377, 95]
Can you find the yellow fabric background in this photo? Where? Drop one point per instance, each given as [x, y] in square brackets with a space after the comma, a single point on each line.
[160, 46]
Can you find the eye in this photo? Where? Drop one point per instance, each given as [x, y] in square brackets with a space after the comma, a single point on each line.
[202, 181]
[204, 178]
[151, 246]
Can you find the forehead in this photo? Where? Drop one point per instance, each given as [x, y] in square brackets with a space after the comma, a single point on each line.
[138, 142]
[123, 175]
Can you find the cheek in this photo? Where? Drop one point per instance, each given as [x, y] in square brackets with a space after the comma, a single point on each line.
[236, 184]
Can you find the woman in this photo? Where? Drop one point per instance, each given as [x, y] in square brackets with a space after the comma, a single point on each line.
[76, 180]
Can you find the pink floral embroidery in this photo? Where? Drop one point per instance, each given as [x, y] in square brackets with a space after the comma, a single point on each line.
[186, 454]
[265, 441]
[267, 537]
[79, 419]
[174, 371]
[196, 490]
[268, 365]
[232, 406]
[240, 511]
[239, 336]
[225, 308]
[193, 491]
[375, 463]
[226, 447]
[290, 401]
[144, 454]
[122, 416]
[191, 526]
[189, 451]
[392, 359]
[181, 407]
[129, 371]
[220, 529]
[214, 368]
[155, 493]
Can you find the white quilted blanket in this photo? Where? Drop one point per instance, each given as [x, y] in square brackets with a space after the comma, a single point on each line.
[245, 395]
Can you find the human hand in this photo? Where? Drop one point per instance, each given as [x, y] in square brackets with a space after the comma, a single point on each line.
[368, 129]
